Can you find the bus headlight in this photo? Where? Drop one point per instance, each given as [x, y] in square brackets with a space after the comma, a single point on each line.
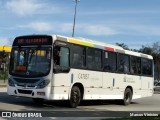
[43, 84]
[11, 83]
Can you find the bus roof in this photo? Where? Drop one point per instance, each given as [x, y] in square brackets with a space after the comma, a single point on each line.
[101, 45]
[94, 44]
[86, 42]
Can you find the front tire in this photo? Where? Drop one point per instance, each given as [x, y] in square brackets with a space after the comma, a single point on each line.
[127, 96]
[75, 97]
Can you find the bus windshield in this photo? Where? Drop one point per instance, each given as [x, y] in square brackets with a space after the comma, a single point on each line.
[29, 61]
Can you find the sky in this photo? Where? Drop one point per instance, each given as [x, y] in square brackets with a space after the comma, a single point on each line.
[132, 22]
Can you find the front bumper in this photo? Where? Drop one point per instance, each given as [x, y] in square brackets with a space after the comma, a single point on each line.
[32, 93]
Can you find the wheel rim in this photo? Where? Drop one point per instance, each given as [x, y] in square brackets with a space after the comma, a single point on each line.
[127, 97]
[75, 96]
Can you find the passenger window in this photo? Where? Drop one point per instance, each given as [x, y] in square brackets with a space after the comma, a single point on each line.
[78, 56]
[135, 65]
[123, 63]
[94, 59]
[110, 61]
[61, 56]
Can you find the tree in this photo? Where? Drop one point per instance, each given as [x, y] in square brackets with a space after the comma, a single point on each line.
[156, 56]
[146, 50]
[123, 46]
[153, 50]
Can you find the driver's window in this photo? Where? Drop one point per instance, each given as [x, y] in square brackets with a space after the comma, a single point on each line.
[21, 58]
[61, 56]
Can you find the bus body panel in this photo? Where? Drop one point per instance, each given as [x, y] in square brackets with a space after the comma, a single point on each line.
[89, 79]
[61, 79]
[97, 84]
[146, 82]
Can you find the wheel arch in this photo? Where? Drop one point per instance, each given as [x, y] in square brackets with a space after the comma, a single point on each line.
[81, 87]
[131, 88]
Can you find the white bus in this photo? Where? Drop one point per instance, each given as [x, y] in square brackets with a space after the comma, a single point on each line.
[54, 67]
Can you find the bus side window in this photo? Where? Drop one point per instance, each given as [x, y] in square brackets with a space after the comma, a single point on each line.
[64, 57]
[78, 56]
[110, 61]
[94, 59]
[56, 57]
[146, 67]
[135, 65]
[123, 63]
[61, 58]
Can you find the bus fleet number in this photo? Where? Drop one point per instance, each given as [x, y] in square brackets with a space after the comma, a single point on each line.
[83, 76]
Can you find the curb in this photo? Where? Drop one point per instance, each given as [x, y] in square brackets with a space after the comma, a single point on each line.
[3, 83]
[1, 86]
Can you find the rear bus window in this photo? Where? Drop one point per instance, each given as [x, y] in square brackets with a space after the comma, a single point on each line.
[146, 67]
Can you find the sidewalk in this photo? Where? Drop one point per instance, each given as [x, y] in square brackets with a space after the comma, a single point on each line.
[3, 83]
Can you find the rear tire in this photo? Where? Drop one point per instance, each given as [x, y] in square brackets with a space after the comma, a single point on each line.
[75, 97]
[127, 96]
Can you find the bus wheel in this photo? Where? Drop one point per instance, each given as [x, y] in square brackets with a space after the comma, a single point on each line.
[38, 100]
[127, 96]
[75, 97]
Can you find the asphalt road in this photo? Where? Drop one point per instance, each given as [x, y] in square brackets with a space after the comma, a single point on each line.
[87, 108]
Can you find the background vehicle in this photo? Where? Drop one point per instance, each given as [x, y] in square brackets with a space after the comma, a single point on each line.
[54, 67]
[157, 86]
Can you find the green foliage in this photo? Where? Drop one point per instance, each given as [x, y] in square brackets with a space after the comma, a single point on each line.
[3, 75]
[123, 46]
[153, 50]
[146, 50]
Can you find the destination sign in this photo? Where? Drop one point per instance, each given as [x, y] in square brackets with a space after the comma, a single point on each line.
[32, 40]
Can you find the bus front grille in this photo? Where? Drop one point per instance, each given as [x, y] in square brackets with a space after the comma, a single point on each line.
[20, 80]
[26, 85]
[24, 91]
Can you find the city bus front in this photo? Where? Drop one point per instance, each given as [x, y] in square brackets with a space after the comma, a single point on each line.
[30, 70]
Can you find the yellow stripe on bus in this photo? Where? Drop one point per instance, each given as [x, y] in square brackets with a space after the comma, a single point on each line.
[71, 40]
[87, 44]
[76, 41]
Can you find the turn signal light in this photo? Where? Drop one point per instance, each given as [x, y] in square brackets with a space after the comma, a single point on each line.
[41, 93]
